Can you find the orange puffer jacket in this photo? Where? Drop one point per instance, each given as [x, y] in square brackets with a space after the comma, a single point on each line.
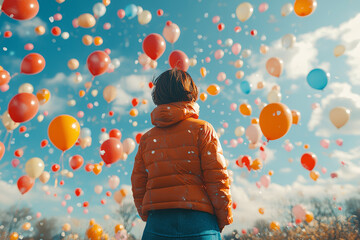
[179, 164]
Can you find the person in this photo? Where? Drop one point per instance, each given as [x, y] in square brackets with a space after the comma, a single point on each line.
[180, 182]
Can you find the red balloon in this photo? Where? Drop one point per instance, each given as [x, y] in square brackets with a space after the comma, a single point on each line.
[20, 9]
[25, 183]
[76, 162]
[135, 102]
[4, 77]
[78, 191]
[22, 129]
[98, 63]
[308, 161]
[178, 59]
[138, 137]
[55, 167]
[246, 161]
[154, 45]
[2, 150]
[23, 107]
[44, 143]
[115, 133]
[32, 63]
[111, 150]
[19, 152]
[89, 167]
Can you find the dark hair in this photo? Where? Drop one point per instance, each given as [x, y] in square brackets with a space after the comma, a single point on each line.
[174, 86]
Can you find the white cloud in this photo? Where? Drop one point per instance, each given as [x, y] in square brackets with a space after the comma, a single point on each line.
[26, 28]
[341, 96]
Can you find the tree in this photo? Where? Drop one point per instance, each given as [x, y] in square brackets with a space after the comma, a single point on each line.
[13, 218]
[45, 228]
[127, 212]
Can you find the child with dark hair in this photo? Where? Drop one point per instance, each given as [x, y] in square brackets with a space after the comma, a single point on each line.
[180, 183]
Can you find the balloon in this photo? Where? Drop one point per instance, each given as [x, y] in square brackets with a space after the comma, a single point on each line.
[308, 161]
[304, 8]
[218, 54]
[229, 42]
[2, 150]
[245, 87]
[288, 41]
[154, 46]
[238, 63]
[114, 181]
[86, 20]
[26, 88]
[87, 40]
[299, 212]
[20, 9]
[97, 168]
[318, 78]
[34, 167]
[99, 10]
[171, 32]
[115, 133]
[179, 60]
[109, 93]
[76, 162]
[295, 116]
[14, 235]
[244, 11]
[314, 175]
[309, 217]
[118, 196]
[85, 132]
[239, 131]
[275, 226]
[325, 143]
[23, 107]
[213, 89]
[203, 97]
[263, 7]
[338, 51]
[265, 181]
[66, 227]
[32, 63]
[26, 226]
[274, 97]
[144, 59]
[236, 48]
[64, 131]
[339, 116]
[43, 96]
[275, 120]
[245, 109]
[144, 17]
[131, 11]
[4, 77]
[44, 177]
[203, 72]
[85, 142]
[8, 123]
[25, 183]
[119, 227]
[111, 150]
[40, 30]
[274, 66]
[73, 64]
[128, 145]
[98, 63]
[98, 189]
[286, 9]
[246, 53]
[253, 133]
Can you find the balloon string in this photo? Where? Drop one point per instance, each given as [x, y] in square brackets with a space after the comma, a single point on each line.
[62, 163]
[6, 135]
[11, 136]
[14, 75]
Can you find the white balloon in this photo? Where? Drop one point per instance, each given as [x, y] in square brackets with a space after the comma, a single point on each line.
[144, 17]
[286, 9]
[139, 10]
[65, 35]
[103, 137]
[192, 62]
[229, 42]
[261, 105]
[114, 181]
[274, 97]
[128, 146]
[288, 41]
[246, 53]
[99, 9]
[116, 62]
[98, 189]
[239, 131]
[78, 78]
[40, 118]
[26, 88]
[71, 103]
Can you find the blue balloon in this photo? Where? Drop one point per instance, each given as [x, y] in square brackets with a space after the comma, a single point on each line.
[245, 86]
[317, 78]
[131, 11]
[85, 132]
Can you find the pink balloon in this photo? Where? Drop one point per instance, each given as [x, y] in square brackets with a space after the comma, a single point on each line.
[258, 185]
[215, 19]
[218, 54]
[29, 46]
[80, 114]
[325, 143]
[263, 155]
[86, 211]
[315, 105]
[339, 142]
[46, 113]
[233, 143]
[323, 170]
[38, 215]
[334, 175]
[70, 209]
[67, 197]
[57, 17]
[219, 42]
[263, 7]
[240, 140]
[236, 48]
[221, 76]
[233, 107]
[255, 231]
[225, 125]
[121, 13]
[4, 87]
[253, 133]
[171, 32]
[63, 203]
[107, 51]
[225, 142]
[75, 23]
[265, 181]
[107, 26]
[299, 212]
[15, 162]
[288, 147]
[257, 101]
[207, 59]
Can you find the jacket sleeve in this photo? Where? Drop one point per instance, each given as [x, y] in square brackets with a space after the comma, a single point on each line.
[139, 178]
[215, 175]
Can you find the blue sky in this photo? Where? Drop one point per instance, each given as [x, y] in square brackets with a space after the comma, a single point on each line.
[333, 23]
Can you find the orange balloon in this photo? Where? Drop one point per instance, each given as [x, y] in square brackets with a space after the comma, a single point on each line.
[256, 164]
[40, 30]
[271, 172]
[275, 120]
[134, 112]
[203, 97]
[106, 2]
[98, 41]
[81, 93]
[123, 192]
[274, 66]
[261, 211]
[314, 175]
[304, 8]
[144, 101]
[97, 168]
[306, 146]
[14, 236]
[43, 96]
[87, 40]
[94, 232]
[275, 226]
[64, 131]
[309, 217]
[245, 109]
[255, 121]
[213, 89]
[203, 72]
[119, 227]
[295, 116]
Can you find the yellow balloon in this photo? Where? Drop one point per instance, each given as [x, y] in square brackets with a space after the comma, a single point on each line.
[9, 124]
[86, 20]
[339, 50]
[87, 40]
[34, 167]
[213, 89]
[44, 177]
[109, 93]
[64, 131]
[339, 116]
[244, 11]
[144, 17]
